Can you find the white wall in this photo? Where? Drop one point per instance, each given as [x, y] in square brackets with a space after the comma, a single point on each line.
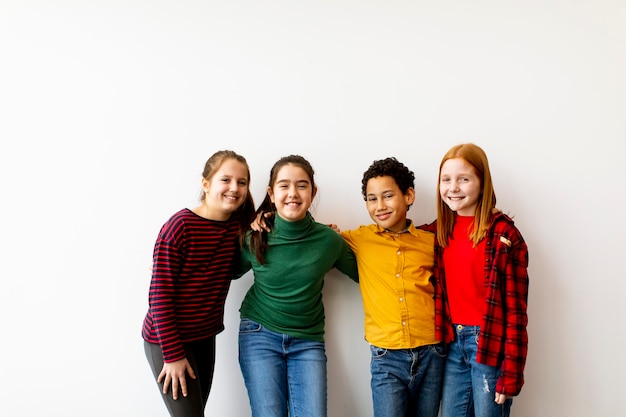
[108, 110]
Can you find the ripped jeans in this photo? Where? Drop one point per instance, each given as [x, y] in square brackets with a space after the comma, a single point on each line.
[469, 387]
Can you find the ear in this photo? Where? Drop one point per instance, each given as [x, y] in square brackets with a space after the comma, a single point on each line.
[271, 194]
[314, 193]
[409, 196]
[205, 185]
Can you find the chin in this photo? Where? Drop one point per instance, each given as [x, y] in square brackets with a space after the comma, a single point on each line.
[293, 216]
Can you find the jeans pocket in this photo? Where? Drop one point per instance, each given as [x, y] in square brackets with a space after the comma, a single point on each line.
[377, 352]
[249, 326]
[439, 349]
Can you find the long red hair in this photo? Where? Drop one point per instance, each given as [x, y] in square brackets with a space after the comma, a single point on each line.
[486, 207]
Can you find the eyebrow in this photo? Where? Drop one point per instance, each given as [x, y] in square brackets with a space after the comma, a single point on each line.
[232, 176]
[390, 190]
[458, 174]
[289, 181]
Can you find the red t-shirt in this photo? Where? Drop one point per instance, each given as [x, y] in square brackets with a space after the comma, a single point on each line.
[465, 274]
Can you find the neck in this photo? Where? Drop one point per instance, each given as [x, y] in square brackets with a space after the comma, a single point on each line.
[211, 214]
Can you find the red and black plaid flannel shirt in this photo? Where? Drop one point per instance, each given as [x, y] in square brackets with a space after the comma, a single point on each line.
[503, 336]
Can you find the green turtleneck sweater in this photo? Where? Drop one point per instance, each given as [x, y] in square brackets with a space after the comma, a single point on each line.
[286, 296]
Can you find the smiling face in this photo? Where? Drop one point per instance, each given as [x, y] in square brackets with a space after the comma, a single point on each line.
[386, 204]
[459, 186]
[226, 190]
[292, 192]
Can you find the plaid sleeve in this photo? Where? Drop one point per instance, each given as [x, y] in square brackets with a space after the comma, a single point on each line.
[515, 299]
[443, 324]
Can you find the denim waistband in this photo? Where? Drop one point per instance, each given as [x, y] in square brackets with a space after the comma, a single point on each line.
[460, 328]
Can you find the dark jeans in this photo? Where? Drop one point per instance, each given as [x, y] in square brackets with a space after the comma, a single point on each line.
[407, 382]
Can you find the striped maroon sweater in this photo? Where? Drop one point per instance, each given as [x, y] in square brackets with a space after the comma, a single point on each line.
[192, 269]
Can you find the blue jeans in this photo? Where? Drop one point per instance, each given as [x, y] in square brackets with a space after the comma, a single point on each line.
[469, 387]
[407, 382]
[284, 375]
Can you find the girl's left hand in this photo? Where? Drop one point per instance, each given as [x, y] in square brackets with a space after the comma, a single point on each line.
[500, 398]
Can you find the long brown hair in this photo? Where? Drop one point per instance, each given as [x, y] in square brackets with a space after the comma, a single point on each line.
[258, 240]
[476, 157]
[245, 212]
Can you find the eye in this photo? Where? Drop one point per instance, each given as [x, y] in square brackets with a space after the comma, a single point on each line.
[243, 183]
[388, 196]
[372, 199]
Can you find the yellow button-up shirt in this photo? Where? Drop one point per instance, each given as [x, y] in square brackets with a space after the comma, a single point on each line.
[394, 277]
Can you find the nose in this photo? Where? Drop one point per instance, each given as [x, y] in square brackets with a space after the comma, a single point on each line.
[380, 204]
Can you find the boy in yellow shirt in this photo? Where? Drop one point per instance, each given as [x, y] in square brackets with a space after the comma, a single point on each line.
[395, 261]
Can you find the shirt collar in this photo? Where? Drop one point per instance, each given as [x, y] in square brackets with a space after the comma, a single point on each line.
[410, 228]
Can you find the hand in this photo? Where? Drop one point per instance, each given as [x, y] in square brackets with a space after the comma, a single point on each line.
[259, 224]
[173, 373]
[334, 227]
[500, 398]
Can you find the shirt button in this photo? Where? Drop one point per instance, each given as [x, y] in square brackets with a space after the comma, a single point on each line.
[398, 253]
[397, 275]
[404, 323]
[401, 299]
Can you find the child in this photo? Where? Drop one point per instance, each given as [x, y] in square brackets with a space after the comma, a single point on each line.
[281, 337]
[194, 258]
[395, 261]
[482, 290]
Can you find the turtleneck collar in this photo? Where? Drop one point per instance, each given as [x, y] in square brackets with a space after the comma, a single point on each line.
[293, 230]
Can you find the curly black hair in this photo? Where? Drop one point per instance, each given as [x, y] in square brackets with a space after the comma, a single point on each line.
[391, 167]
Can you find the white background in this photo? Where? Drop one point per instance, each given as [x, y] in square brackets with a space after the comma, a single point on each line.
[109, 109]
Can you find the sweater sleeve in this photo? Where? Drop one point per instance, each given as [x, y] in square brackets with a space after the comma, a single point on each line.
[167, 265]
[346, 262]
